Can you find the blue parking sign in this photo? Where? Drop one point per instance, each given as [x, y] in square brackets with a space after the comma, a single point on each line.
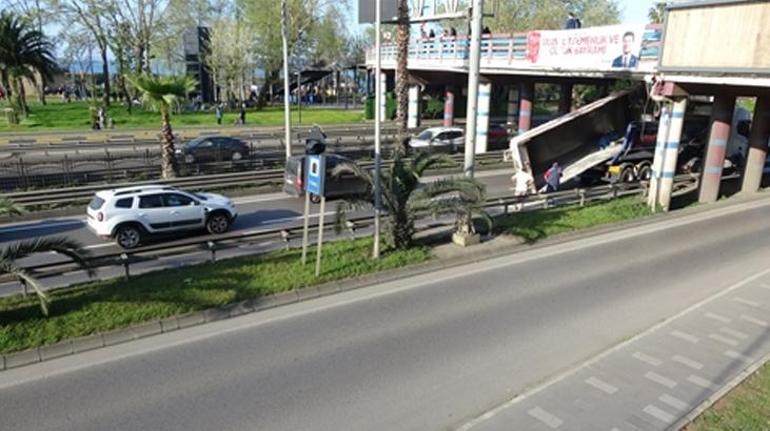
[315, 166]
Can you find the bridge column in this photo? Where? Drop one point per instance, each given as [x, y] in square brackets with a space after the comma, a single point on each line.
[513, 107]
[758, 141]
[565, 99]
[525, 106]
[664, 123]
[449, 107]
[671, 153]
[482, 119]
[413, 119]
[383, 96]
[711, 177]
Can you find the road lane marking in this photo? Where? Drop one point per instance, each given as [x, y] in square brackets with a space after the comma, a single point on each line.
[659, 414]
[42, 226]
[718, 317]
[704, 383]
[754, 320]
[545, 417]
[748, 302]
[673, 402]
[685, 336]
[661, 380]
[734, 333]
[647, 359]
[739, 356]
[687, 362]
[723, 339]
[96, 246]
[601, 385]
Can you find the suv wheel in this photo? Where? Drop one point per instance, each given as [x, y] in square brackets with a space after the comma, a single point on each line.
[218, 223]
[128, 236]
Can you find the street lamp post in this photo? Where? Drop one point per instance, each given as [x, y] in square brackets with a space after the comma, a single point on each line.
[286, 77]
[474, 66]
[377, 120]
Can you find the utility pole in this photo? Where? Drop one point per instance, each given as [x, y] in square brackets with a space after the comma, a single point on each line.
[286, 77]
[474, 68]
[377, 120]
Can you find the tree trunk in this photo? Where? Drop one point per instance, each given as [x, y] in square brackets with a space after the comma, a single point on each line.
[5, 82]
[264, 91]
[106, 73]
[168, 158]
[402, 73]
[41, 89]
[21, 97]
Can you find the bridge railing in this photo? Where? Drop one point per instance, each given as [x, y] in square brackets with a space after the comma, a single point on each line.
[498, 50]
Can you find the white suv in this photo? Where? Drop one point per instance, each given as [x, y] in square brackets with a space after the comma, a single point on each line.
[129, 214]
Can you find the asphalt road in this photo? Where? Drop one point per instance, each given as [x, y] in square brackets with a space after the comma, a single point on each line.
[427, 353]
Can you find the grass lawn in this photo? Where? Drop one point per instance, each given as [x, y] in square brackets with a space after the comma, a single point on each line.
[747, 407]
[111, 304]
[537, 225]
[74, 116]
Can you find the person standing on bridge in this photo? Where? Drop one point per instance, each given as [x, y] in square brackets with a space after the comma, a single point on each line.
[573, 22]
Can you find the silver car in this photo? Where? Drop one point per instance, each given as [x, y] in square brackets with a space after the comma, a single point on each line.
[439, 139]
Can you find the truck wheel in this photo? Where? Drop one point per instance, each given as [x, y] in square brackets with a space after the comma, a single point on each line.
[644, 171]
[627, 174]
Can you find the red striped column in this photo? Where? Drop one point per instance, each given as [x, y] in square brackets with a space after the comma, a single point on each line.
[758, 140]
[721, 119]
[449, 107]
[526, 103]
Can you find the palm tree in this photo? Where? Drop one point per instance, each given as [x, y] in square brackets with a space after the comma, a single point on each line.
[657, 13]
[24, 52]
[12, 253]
[402, 72]
[10, 208]
[162, 94]
[404, 198]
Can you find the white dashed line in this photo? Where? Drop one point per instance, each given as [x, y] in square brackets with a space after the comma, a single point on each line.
[687, 362]
[700, 381]
[545, 417]
[655, 362]
[674, 402]
[755, 321]
[718, 318]
[659, 414]
[685, 336]
[739, 356]
[748, 302]
[661, 380]
[734, 333]
[601, 385]
[723, 339]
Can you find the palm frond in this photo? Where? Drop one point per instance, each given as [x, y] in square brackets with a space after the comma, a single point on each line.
[350, 204]
[424, 161]
[23, 275]
[355, 169]
[162, 92]
[10, 208]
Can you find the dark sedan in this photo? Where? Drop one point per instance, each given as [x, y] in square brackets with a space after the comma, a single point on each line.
[213, 149]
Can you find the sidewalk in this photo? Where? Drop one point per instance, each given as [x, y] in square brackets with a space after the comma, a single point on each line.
[657, 380]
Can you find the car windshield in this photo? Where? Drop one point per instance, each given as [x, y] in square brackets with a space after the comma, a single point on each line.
[200, 196]
[425, 135]
[195, 142]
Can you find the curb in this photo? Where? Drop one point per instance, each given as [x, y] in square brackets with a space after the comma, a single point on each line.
[721, 393]
[178, 322]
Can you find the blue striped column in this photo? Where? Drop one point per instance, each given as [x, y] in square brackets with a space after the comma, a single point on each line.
[525, 106]
[482, 118]
[671, 153]
[513, 107]
[660, 150]
[758, 141]
[383, 96]
[721, 120]
[413, 119]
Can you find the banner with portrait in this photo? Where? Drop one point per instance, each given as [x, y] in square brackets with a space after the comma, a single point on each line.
[615, 47]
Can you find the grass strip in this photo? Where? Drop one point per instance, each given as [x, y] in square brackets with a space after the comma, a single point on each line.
[747, 407]
[110, 304]
[77, 116]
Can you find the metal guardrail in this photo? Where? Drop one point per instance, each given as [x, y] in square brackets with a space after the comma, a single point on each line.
[255, 178]
[213, 244]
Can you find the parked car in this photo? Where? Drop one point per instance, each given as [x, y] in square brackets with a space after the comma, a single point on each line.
[213, 149]
[439, 139]
[342, 185]
[129, 215]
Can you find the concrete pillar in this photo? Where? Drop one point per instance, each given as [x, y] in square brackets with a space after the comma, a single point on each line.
[482, 119]
[721, 119]
[383, 96]
[513, 107]
[671, 152]
[660, 151]
[526, 103]
[565, 99]
[449, 107]
[604, 89]
[413, 119]
[758, 142]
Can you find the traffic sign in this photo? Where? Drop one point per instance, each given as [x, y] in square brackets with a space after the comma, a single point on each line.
[316, 175]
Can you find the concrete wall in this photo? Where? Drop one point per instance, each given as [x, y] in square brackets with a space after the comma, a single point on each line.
[724, 35]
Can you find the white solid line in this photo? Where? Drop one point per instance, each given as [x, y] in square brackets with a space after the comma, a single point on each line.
[41, 226]
[685, 336]
[262, 198]
[659, 414]
[295, 218]
[755, 321]
[545, 417]
[601, 385]
[700, 381]
[674, 402]
[661, 380]
[647, 359]
[95, 246]
[739, 356]
[687, 362]
[723, 339]
[744, 301]
[734, 333]
[718, 318]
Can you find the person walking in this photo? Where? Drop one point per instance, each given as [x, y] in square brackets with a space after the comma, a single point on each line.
[523, 182]
[242, 115]
[218, 113]
[553, 178]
